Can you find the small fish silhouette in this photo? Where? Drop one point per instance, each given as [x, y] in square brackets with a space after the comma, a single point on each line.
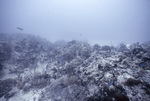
[19, 28]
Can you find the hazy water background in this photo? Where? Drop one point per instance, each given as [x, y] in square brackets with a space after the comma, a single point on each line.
[94, 21]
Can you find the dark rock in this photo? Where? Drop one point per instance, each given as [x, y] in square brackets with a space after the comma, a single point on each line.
[109, 91]
[132, 82]
[1, 70]
[121, 97]
[146, 87]
[125, 63]
[106, 90]
[108, 98]
[120, 59]
[9, 95]
[147, 90]
[127, 53]
[100, 67]
[1, 67]
[95, 98]
[107, 67]
[120, 87]
[120, 90]
[6, 86]
[115, 65]
[145, 58]
[139, 55]
[5, 51]
[137, 50]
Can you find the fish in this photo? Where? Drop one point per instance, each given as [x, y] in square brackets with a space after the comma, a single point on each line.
[19, 28]
[111, 83]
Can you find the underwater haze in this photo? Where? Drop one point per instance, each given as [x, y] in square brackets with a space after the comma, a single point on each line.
[74, 50]
[93, 21]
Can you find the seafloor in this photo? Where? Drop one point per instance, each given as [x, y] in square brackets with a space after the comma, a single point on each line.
[33, 69]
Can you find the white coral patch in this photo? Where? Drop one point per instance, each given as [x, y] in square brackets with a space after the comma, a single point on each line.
[123, 77]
